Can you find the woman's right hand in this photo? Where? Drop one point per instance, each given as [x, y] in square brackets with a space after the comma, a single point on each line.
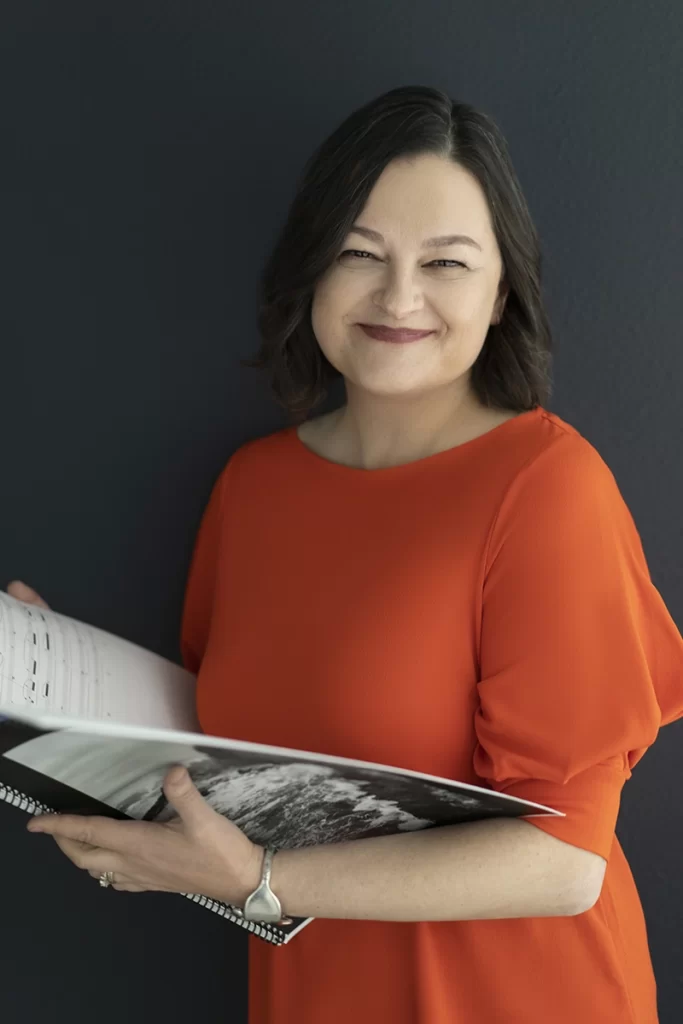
[28, 595]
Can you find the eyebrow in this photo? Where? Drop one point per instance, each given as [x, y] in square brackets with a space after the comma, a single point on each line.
[429, 243]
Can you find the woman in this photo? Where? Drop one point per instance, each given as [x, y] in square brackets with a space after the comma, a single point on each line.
[439, 574]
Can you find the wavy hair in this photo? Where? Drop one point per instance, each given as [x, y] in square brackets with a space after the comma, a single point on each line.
[513, 369]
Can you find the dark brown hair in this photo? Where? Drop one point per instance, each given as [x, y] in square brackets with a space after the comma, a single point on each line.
[513, 368]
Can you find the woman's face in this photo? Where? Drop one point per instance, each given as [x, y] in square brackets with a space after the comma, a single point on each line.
[394, 281]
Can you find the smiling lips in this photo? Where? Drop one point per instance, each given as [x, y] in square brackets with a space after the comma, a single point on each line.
[388, 334]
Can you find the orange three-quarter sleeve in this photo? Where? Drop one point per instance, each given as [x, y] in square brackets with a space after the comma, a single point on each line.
[570, 662]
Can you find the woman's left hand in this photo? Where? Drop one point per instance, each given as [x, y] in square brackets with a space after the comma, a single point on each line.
[199, 852]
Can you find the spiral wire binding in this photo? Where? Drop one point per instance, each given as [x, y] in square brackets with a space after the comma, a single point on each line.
[17, 799]
[259, 928]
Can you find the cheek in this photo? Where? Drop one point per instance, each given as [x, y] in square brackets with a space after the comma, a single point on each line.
[331, 306]
[468, 307]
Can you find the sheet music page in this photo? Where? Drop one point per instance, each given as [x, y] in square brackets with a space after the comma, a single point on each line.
[57, 665]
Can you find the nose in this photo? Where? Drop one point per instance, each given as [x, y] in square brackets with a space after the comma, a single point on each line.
[401, 296]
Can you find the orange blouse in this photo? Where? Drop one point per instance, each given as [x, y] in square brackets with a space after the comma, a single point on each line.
[486, 614]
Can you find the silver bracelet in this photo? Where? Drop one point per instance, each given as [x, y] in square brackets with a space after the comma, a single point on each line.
[262, 904]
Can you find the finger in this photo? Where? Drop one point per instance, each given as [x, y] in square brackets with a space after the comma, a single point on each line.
[73, 845]
[186, 799]
[27, 594]
[122, 882]
[91, 858]
[74, 850]
[119, 877]
[95, 831]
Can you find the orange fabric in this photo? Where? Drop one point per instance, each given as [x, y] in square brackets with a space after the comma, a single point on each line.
[486, 614]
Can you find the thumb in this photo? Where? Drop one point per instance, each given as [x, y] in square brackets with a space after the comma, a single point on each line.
[19, 590]
[184, 796]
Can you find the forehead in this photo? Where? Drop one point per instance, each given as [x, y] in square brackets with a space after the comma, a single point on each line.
[428, 195]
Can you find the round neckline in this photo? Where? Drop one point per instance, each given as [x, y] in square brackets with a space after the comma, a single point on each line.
[338, 467]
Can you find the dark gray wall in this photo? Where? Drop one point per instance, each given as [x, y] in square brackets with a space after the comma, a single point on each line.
[148, 156]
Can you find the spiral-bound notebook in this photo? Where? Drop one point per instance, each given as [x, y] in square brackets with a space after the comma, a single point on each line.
[90, 723]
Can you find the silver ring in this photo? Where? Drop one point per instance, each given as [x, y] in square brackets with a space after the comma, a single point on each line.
[106, 879]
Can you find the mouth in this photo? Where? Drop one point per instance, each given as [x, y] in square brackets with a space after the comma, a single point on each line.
[389, 334]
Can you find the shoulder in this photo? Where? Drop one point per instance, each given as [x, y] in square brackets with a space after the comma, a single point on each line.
[562, 488]
[556, 452]
[550, 476]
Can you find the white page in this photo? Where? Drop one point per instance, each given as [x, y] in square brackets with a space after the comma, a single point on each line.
[56, 665]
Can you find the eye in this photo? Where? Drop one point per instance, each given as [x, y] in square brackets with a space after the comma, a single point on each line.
[360, 253]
